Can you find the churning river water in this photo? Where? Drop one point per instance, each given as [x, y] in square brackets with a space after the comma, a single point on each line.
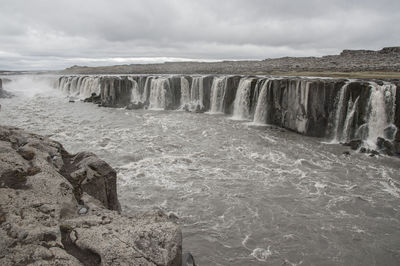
[244, 195]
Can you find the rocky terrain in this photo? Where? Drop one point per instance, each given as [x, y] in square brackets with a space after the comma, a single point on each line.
[384, 60]
[62, 209]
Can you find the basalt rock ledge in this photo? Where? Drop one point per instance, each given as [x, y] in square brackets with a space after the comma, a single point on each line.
[62, 209]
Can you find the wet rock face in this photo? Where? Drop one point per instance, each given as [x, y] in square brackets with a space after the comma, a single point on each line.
[62, 209]
[337, 109]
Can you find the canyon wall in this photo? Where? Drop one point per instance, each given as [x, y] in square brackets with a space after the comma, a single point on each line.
[337, 109]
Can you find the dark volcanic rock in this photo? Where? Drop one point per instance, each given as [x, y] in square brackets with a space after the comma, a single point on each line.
[59, 209]
[93, 99]
[354, 144]
[135, 106]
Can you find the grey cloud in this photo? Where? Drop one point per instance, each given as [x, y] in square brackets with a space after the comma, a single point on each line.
[55, 34]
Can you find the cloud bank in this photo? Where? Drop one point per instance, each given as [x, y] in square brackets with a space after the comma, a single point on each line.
[48, 34]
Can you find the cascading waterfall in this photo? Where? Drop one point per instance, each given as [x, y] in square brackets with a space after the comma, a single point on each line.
[379, 116]
[241, 110]
[302, 89]
[136, 97]
[146, 90]
[81, 87]
[185, 92]
[351, 110]
[340, 114]
[362, 111]
[261, 112]
[192, 98]
[159, 93]
[381, 112]
[218, 90]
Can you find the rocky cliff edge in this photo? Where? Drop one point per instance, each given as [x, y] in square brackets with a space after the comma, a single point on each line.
[62, 209]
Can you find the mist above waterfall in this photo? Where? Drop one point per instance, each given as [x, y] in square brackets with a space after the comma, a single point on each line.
[29, 85]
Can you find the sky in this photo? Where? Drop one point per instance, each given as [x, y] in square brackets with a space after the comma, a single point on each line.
[55, 34]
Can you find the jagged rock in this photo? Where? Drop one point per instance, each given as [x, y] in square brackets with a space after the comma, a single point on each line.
[135, 106]
[42, 221]
[354, 144]
[385, 146]
[373, 153]
[188, 260]
[396, 147]
[93, 99]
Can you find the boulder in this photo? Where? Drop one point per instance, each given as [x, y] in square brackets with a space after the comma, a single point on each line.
[135, 106]
[62, 209]
[354, 144]
[94, 98]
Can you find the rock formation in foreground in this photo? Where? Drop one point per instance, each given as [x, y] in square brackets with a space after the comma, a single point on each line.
[62, 209]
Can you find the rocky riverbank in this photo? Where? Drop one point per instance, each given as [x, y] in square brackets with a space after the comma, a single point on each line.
[62, 209]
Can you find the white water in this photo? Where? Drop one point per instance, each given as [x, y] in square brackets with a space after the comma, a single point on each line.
[243, 196]
[380, 102]
[241, 109]
[185, 92]
[340, 113]
[351, 109]
[159, 93]
[192, 97]
[261, 113]
[135, 95]
[218, 89]
[80, 86]
[379, 115]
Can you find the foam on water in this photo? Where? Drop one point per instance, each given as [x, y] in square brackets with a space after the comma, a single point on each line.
[243, 195]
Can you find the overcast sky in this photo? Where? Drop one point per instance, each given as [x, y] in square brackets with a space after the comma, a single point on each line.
[54, 34]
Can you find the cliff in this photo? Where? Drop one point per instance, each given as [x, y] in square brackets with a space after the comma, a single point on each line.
[337, 109]
[62, 209]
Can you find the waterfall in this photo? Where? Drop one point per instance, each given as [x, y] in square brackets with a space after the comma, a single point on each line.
[159, 94]
[351, 110]
[81, 86]
[261, 112]
[192, 98]
[146, 89]
[185, 92]
[241, 110]
[218, 90]
[136, 97]
[340, 113]
[379, 117]
[381, 106]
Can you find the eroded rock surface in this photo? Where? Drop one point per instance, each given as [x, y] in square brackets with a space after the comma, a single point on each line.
[62, 209]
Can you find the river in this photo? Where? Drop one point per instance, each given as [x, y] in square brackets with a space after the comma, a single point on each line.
[244, 194]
